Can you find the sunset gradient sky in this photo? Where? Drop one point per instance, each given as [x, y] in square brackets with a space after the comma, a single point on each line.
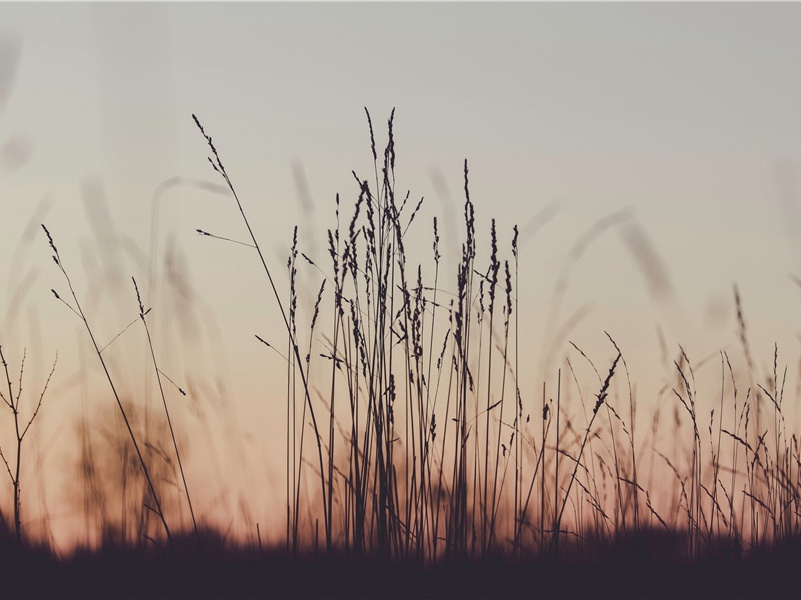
[683, 119]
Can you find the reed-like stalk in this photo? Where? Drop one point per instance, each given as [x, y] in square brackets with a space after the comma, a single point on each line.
[217, 165]
[78, 311]
[159, 375]
[21, 427]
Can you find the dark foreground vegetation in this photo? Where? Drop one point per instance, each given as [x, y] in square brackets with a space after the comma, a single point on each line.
[418, 466]
[626, 570]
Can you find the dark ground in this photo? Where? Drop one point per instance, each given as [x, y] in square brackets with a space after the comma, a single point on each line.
[240, 574]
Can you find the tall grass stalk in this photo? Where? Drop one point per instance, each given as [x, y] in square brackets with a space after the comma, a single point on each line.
[159, 374]
[78, 311]
[21, 428]
[217, 165]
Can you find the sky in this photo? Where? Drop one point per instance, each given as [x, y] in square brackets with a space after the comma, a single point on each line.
[679, 120]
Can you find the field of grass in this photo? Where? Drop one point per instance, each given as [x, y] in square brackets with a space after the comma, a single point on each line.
[415, 463]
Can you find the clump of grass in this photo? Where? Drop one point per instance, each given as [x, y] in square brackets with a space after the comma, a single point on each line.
[413, 479]
[406, 376]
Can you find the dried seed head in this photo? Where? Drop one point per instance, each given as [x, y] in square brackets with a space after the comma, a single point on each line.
[514, 242]
[139, 300]
[601, 397]
[372, 137]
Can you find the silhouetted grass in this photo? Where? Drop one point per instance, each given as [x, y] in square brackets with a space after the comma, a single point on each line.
[435, 474]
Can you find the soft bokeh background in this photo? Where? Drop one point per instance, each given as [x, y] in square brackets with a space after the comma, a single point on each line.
[676, 123]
